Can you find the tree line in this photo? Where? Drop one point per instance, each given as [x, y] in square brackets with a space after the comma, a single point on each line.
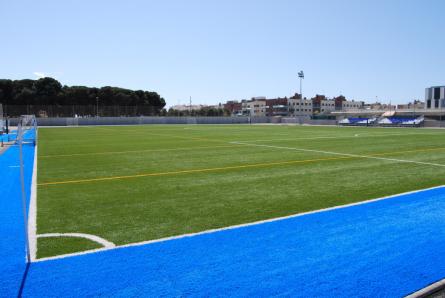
[48, 91]
[205, 111]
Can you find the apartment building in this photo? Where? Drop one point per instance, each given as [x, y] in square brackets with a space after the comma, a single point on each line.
[254, 107]
[435, 97]
[293, 106]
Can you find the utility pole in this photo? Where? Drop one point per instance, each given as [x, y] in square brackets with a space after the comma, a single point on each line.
[97, 106]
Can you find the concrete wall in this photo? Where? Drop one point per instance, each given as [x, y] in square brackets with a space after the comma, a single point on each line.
[433, 123]
[142, 120]
[307, 120]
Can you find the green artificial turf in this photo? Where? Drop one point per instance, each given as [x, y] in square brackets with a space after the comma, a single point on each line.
[194, 178]
[48, 247]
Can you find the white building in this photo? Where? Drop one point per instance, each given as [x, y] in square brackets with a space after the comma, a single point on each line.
[301, 107]
[327, 106]
[255, 107]
[352, 105]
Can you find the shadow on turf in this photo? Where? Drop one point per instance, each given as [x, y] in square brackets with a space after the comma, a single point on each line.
[22, 284]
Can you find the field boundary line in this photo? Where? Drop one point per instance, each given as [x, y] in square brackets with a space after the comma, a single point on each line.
[104, 242]
[370, 156]
[259, 222]
[133, 151]
[32, 214]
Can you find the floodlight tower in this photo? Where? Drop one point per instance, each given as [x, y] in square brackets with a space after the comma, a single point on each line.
[301, 76]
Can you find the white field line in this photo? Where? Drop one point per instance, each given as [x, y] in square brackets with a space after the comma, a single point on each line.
[235, 226]
[32, 216]
[343, 154]
[105, 243]
[358, 135]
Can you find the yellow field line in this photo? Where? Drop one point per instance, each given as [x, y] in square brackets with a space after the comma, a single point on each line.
[193, 171]
[133, 151]
[227, 168]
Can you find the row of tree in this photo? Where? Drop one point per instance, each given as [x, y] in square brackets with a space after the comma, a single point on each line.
[48, 91]
[206, 111]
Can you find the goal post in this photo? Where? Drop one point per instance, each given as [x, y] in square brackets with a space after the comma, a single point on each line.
[26, 136]
[27, 130]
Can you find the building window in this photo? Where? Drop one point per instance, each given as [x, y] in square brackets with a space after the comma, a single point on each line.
[436, 102]
[428, 104]
[436, 93]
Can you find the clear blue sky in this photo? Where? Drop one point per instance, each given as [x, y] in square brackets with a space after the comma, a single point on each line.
[229, 49]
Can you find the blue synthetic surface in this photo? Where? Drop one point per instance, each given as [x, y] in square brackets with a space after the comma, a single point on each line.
[388, 248]
[12, 243]
[8, 137]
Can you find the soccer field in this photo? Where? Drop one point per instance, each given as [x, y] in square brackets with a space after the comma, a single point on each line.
[129, 184]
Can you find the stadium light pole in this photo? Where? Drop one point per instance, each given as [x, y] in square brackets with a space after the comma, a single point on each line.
[301, 76]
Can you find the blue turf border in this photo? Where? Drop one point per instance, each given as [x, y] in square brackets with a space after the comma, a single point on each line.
[385, 248]
[12, 244]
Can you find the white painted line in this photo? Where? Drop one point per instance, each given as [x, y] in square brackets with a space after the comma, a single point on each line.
[342, 154]
[105, 243]
[362, 135]
[235, 226]
[13, 166]
[32, 214]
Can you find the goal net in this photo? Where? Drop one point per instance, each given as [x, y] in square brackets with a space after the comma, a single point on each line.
[27, 130]
[2, 121]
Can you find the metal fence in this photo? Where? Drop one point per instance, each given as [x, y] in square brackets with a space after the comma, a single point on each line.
[45, 111]
[79, 121]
